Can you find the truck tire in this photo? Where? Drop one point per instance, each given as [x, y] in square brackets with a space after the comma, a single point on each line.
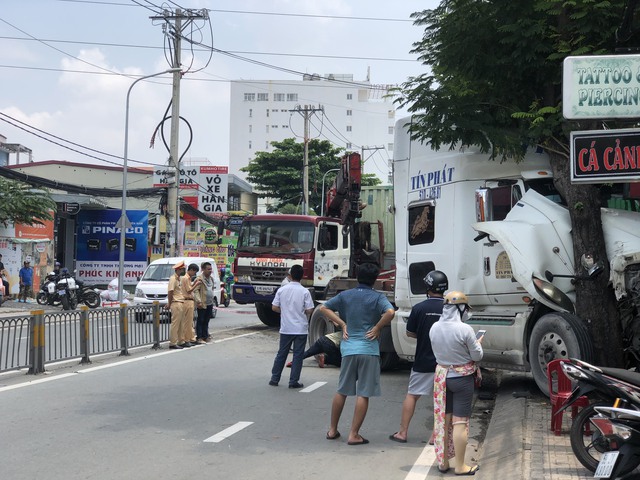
[319, 325]
[557, 335]
[266, 315]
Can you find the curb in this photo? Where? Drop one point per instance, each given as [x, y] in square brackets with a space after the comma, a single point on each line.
[503, 447]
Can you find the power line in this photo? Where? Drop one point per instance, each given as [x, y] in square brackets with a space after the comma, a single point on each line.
[239, 52]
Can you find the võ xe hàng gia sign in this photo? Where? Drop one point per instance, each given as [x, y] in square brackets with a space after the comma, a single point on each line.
[605, 156]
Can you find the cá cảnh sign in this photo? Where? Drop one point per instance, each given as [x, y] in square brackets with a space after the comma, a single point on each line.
[605, 156]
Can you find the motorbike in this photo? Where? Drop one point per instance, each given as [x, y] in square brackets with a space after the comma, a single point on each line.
[48, 295]
[88, 295]
[225, 295]
[609, 386]
[67, 290]
[621, 427]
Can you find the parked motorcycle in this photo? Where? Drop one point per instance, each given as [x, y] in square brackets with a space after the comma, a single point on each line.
[88, 295]
[608, 386]
[621, 427]
[67, 290]
[48, 295]
[225, 295]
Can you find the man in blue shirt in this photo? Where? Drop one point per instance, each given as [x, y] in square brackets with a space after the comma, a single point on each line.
[422, 317]
[363, 313]
[26, 282]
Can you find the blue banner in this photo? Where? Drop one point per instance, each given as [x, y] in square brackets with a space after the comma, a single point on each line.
[98, 245]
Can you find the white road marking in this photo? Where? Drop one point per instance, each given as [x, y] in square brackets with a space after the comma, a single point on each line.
[237, 336]
[312, 387]
[35, 382]
[423, 464]
[227, 432]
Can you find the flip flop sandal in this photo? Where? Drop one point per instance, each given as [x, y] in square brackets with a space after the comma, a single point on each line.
[363, 442]
[393, 438]
[335, 437]
[471, 471]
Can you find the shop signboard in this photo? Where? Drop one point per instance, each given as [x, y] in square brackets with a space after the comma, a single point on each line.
[98, 246]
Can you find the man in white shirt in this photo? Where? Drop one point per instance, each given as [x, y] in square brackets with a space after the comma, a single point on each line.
[294, 304]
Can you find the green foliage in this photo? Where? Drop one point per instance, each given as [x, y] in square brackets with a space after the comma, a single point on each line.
[20, 203]
[494, 71]
[278, 174]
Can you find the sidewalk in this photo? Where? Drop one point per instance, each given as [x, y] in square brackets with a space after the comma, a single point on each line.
[519, 443]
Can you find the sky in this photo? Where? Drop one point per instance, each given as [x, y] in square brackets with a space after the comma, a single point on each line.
[66, 66]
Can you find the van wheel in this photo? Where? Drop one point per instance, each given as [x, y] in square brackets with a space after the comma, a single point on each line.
[319, 325]
[388, 361]
[266, 315]
[557, 335]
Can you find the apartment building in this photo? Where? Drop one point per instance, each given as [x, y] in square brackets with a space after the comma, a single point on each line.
[354, 115]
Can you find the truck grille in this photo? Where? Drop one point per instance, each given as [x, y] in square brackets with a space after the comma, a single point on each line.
[264, 274]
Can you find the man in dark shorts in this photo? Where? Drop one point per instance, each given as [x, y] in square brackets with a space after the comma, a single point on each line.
[422, 317]
[363, 314]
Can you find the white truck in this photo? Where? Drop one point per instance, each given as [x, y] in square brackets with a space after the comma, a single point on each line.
[498, 230]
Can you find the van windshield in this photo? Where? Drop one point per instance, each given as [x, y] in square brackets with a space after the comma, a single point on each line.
[158, 273]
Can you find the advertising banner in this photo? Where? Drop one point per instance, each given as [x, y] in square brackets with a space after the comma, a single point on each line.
[98, 246]
[212, 191]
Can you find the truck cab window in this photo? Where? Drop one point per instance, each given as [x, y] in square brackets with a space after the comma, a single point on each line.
[421, 224]
[328, 237]
[417, 272]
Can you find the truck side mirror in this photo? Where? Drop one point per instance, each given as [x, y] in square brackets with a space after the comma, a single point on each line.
[483, 205]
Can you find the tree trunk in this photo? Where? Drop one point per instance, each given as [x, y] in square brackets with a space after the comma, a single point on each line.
[595, 300]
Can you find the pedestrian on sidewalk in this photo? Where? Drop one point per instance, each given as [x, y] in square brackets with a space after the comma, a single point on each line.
[203, 296]
[457, 350]
[294, 304]
[363, 314]
[26, 281]
[421, 319]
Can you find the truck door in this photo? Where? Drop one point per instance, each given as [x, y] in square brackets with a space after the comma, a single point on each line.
[493, 204]
[332, 254]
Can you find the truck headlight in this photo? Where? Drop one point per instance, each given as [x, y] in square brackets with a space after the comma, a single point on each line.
[553, 294]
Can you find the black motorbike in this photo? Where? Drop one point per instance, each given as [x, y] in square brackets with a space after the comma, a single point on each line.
[621, 427]
[54, 288]
[67, 290]
[606, 387]
[87, 295]
[48, 295]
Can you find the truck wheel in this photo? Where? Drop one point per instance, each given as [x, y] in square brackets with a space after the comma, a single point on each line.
[557, 335]
[319, 325]
[266, 315]
[388, 361]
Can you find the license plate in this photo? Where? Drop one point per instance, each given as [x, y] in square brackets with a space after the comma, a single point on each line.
[605, 467]
[62, 292]
[263, 290]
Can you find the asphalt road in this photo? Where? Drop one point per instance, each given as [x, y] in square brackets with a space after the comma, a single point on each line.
[206, 410]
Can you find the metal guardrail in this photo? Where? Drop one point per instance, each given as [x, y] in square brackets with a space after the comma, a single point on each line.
[34, 340]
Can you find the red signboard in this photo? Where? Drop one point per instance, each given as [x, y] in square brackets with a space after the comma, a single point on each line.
[605, 156]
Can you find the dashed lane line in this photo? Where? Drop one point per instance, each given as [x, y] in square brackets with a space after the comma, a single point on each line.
[423, 464]
[227, 432]
[312, 387]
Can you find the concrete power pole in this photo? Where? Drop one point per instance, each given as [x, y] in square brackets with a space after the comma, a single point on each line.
[181, 21]
[306, 113]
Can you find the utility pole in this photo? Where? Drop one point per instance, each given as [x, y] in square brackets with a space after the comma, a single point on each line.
[306, 113]
[181, 21]
[368, 148]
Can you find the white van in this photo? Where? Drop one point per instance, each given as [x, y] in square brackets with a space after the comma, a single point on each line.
[154, 284]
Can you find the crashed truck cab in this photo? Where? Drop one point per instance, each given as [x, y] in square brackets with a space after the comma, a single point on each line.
[497, 230]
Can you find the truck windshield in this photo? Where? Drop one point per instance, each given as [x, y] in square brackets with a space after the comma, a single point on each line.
[546, 188]
[276, 236]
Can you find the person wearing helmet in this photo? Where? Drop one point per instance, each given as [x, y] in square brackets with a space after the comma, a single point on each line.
[422, 317]
[456, 350]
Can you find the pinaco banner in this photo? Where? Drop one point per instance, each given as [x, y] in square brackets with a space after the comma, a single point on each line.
[98, 246]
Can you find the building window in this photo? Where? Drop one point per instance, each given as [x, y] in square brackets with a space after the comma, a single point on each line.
[390, 130]
[267, 128]
[390, 147]
[292, 97]
[266, 145]
[249, 97]
[263, 97]
[267, 113]
[250, 128]
[349, 113]
[249, 144]
[285, 126]
[349, 96]
[250, 112]
[278, 97]
[391, 113]
[348, 128]
[348, 147]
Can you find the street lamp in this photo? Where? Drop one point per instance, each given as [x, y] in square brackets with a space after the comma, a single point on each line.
[323, 199]
[124, 221]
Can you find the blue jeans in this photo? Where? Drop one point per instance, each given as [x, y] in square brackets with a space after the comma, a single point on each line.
[202, 323]
[299, 342]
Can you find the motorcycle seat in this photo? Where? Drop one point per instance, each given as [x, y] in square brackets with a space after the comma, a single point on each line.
[621, 374]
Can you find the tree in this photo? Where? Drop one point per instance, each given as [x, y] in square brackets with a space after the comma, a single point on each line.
[278, 174]
[20, 203]
[494, 80]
